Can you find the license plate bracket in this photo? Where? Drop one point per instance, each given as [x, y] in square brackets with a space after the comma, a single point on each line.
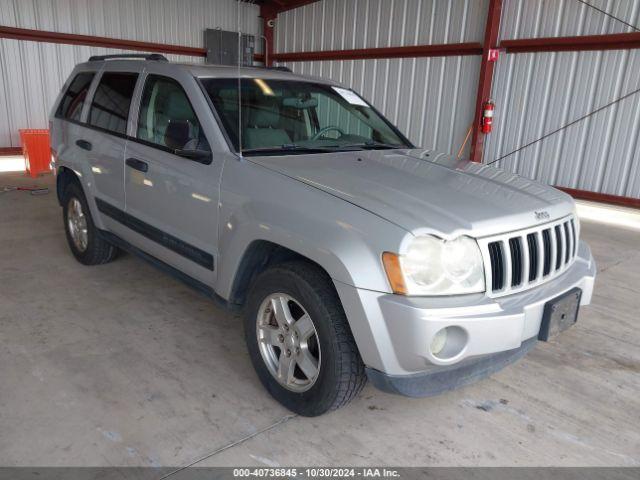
[559, 314]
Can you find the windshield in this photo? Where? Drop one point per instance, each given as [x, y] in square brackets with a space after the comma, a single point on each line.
[288, 117]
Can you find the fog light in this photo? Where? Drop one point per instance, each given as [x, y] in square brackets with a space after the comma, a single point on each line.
[439, 341]
[449, 342]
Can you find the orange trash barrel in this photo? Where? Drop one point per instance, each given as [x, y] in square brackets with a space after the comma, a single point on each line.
[36, 151]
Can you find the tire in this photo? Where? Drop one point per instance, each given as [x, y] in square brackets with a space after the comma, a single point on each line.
[94, 250]
[306, 290]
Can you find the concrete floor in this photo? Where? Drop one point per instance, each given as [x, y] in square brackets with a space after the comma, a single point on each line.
[123, 365]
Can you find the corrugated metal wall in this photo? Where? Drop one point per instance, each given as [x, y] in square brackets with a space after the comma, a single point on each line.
[564, 18]
[536, 93]
[31, 73]
[430, 99]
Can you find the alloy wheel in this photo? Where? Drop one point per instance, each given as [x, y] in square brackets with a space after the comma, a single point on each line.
[288, 342]
[77, 224]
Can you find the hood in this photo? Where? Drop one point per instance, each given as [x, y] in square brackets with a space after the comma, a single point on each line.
[424, 191]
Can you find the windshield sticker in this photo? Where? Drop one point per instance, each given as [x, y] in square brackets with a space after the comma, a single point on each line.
[350, 96]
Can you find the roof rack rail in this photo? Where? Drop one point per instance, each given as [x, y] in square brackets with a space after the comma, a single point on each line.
[146, 56]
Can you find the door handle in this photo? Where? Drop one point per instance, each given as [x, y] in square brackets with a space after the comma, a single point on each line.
[137, 164]
[83, 144]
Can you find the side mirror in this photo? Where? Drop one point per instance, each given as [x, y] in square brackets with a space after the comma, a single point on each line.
[202, 156]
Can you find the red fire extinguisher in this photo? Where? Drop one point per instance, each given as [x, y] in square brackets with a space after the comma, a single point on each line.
[487, 116]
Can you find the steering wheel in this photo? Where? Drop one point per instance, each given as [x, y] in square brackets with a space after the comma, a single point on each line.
[324, 130]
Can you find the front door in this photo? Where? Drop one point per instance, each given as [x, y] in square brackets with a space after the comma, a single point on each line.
[172, 181]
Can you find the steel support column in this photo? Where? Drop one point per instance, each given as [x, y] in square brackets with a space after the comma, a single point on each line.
[486, 76]
[269, 16]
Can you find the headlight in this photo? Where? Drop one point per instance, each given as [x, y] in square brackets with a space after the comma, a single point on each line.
[432, 266]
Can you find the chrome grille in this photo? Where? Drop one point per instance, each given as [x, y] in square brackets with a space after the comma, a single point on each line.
[521, 260]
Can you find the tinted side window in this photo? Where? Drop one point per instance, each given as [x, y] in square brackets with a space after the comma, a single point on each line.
[111, 102]
[73, 99]
[167, 118]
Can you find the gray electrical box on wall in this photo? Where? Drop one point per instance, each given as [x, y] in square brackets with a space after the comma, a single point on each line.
[222, 47]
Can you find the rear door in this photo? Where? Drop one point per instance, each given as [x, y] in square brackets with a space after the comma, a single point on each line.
[172, 177]
[104, 140]
[66, 120]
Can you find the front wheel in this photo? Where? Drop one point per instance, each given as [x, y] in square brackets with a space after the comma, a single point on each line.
[299, 340]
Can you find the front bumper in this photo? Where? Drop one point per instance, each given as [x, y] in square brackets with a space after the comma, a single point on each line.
[393, 332]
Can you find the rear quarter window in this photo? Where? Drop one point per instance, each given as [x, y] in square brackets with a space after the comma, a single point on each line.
[112, 100]
[74, 98]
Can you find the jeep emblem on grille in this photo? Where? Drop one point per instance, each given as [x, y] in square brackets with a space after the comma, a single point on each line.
[542, 215]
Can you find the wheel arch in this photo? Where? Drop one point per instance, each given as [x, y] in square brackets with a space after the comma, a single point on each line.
[64, 177]
[257, 257]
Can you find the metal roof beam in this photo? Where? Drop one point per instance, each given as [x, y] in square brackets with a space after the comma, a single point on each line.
[614, 41]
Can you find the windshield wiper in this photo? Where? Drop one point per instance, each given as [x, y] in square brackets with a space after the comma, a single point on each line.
[370, 145]
[294, 148]
[287, 148]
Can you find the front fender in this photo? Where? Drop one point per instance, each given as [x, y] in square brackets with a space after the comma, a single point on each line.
[259, 204]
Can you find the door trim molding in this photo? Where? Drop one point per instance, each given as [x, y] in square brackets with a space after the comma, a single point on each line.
[188, 251]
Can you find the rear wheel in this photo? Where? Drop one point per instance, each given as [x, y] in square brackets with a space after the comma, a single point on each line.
[299, 340]
[82, 235]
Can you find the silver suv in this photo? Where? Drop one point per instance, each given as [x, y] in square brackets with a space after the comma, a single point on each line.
[351, 253]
